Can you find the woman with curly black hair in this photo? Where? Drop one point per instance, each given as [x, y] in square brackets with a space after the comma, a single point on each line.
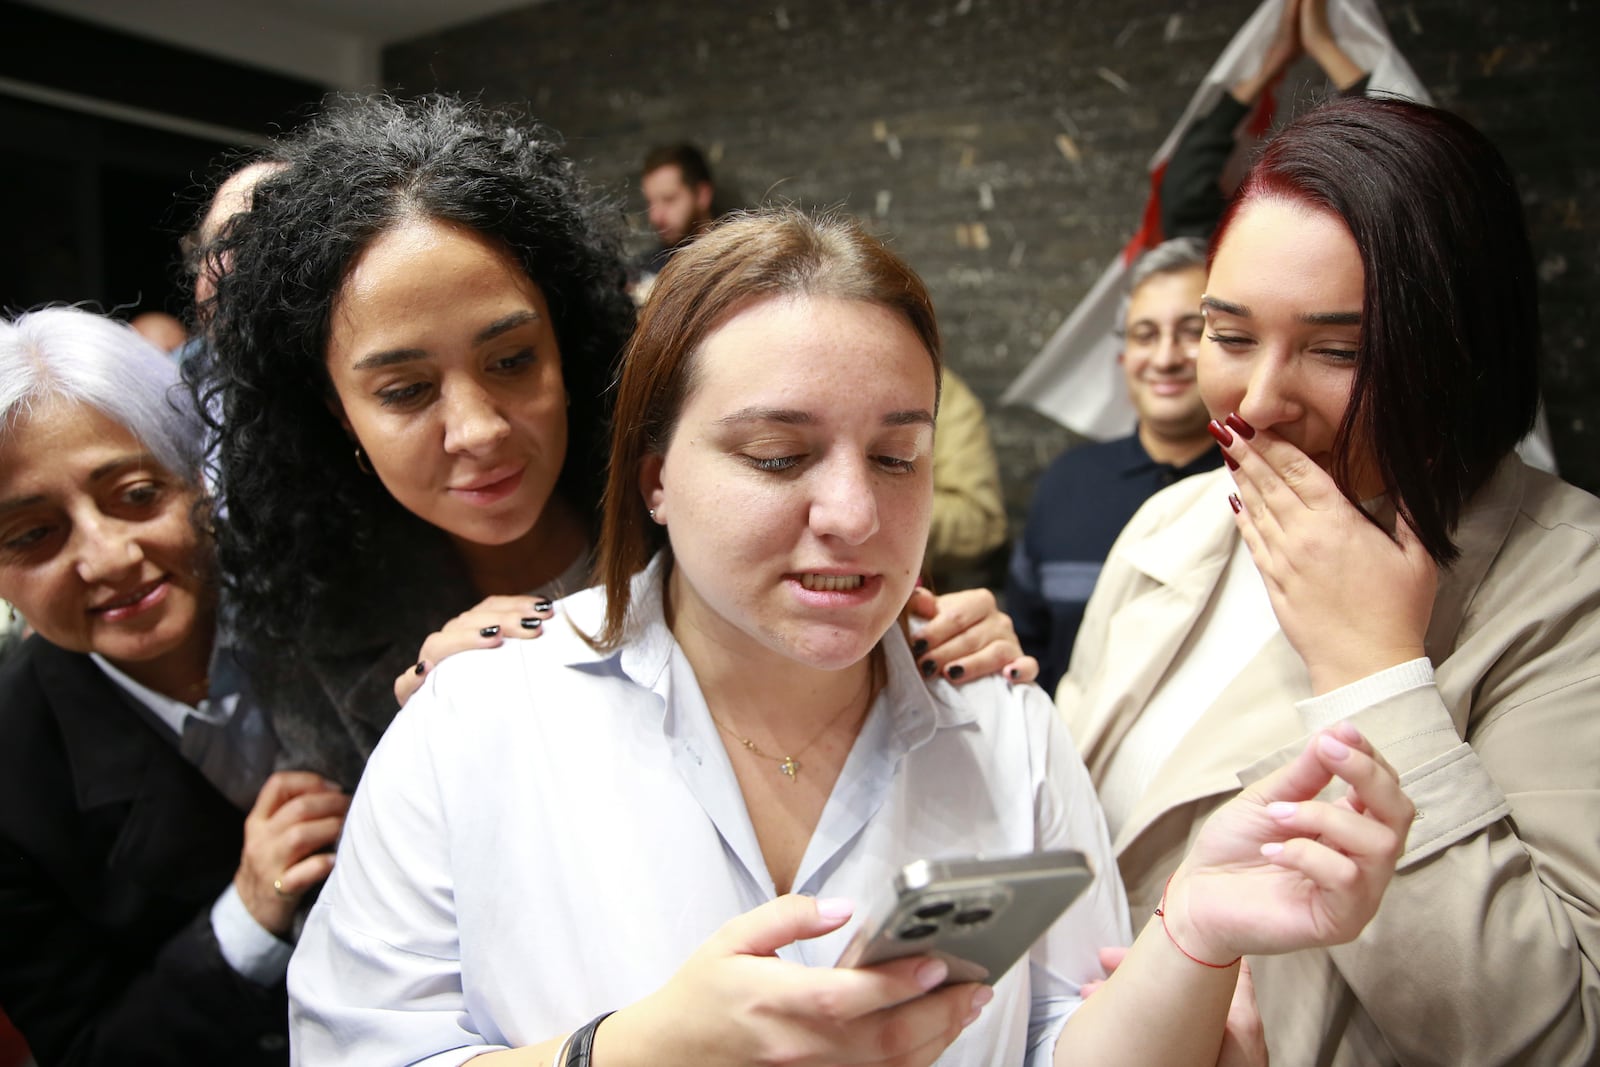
[412, 332]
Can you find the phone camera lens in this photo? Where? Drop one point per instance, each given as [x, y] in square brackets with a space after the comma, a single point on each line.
[917, 931]
[973, 915]
[936, 910]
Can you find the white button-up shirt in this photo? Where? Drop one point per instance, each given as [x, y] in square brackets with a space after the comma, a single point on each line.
[547, 832]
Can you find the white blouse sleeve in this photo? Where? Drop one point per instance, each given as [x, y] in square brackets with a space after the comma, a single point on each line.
[1068, 816]
[376, 978]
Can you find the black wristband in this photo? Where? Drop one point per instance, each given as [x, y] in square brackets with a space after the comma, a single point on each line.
[581, 1044]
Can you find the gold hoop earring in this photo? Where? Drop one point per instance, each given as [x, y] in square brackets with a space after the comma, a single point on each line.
[361, 461]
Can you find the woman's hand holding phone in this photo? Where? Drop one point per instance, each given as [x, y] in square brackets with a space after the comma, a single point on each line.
[733, 1002]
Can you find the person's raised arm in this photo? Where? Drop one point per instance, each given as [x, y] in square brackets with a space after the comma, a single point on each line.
[1274, 870]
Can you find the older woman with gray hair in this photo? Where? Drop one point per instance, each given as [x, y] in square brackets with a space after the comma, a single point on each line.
[150, 863]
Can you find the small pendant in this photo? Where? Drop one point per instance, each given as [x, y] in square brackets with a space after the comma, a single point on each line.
[790, 766]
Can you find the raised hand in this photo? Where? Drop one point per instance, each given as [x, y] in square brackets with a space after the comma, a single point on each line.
[1350, 598]
[733, 1002]
[296, 817]
[487, 625]
[967, 636]
[1275, 870]
[1320, 44]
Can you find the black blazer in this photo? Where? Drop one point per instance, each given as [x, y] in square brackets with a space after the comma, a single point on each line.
[113, 849]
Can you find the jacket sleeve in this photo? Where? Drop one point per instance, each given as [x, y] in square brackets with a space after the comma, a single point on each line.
[1500, 881]
[1191, 191]
[81, 1000]
[969, 515]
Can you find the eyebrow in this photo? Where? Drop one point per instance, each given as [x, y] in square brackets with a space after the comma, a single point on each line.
[796, 417]
[1311, 318]
[113, 466]
[390, 357]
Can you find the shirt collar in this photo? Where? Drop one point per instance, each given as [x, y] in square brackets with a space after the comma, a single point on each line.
[1132, 459]
[216, 708]
[916, 708]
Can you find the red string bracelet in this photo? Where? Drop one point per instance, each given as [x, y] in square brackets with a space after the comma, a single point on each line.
[1161, 913]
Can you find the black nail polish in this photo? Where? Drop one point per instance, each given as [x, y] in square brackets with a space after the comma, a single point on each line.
[1013, 674]
[543, 605]
[928, 667]
[421, 668]
[532, 623]
[919, 646]
[489, 631]
[955, 672]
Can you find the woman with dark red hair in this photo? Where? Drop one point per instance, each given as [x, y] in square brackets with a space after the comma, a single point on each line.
[1378, 555]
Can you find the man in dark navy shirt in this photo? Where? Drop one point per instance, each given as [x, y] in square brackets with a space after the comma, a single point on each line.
[1088, 494]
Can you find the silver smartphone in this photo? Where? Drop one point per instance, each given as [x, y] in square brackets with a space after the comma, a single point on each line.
[979, 915]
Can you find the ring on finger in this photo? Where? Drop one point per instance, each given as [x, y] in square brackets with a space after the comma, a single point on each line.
[277, 887]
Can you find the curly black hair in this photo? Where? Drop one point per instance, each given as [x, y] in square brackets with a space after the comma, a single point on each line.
[294, 511]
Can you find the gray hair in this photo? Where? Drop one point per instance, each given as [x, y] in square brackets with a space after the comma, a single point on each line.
[76, 355]
[1168, 257]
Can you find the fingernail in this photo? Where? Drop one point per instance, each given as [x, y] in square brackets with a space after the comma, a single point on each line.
[489, 631]
[834, 908]
[532, 623]
[919, 646]
[1347, 732]
[1271, 848]
[955, 672]
[1220, 432]
[421, 668]
[1240, 427]
[1282, 809]
[543, 605]
[928, 667]
[1235, 503]
[981, 996]
[1332, 747]
[1013, 674]
[1232, 463]
[932, 973]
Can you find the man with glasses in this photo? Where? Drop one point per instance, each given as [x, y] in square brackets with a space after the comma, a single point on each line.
[1086, 496]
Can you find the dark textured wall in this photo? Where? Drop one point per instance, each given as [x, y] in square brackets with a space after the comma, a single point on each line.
[1002, 143]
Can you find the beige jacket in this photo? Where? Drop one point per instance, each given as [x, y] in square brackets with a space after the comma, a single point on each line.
[969, 513]
[1484, 950]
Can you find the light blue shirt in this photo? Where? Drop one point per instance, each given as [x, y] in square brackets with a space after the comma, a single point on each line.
[248, 947]
[547, 832]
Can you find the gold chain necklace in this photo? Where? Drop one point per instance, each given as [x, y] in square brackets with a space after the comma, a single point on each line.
[788, 765]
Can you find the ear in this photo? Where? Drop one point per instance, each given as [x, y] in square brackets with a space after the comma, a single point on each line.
[1121, 356]
[702, 196]
[650, 488]
[336, 409]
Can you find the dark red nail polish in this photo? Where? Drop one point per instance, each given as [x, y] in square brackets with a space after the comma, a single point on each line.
[489, 631]
[1232, 463]
[928, 667]
[919, 646]
[1234, 503]
[421, 668]
[1220, 432]
[1240, 427]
